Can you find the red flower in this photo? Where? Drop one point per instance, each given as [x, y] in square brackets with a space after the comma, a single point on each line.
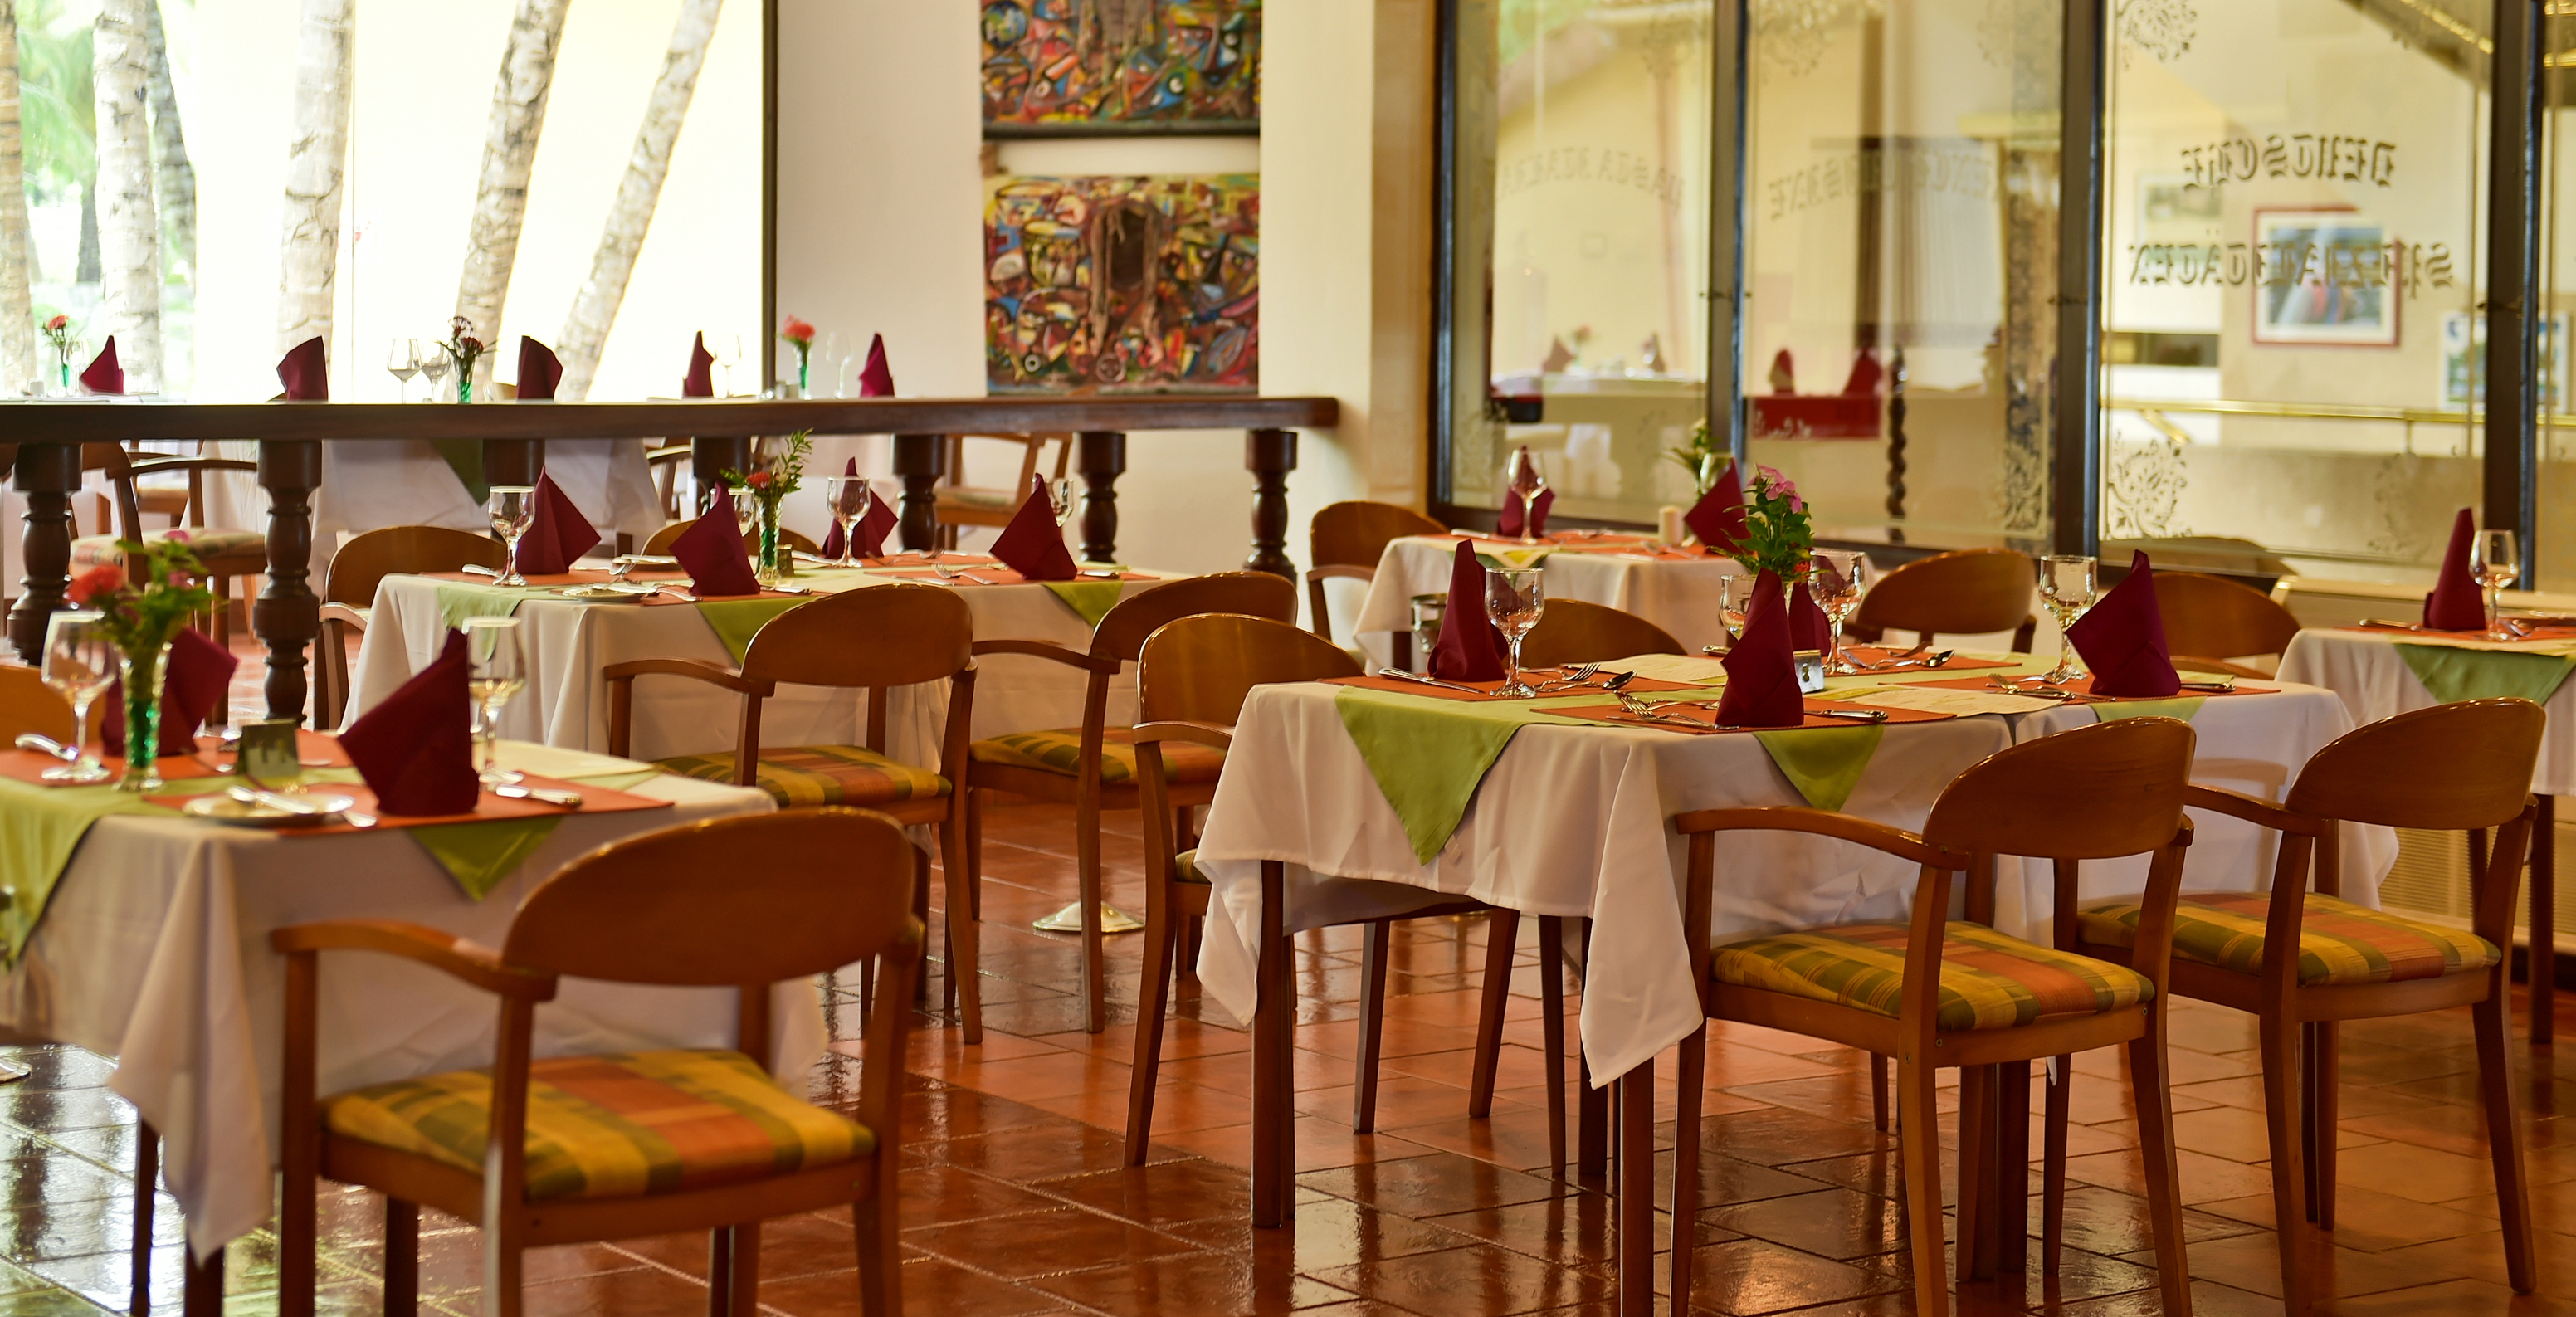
[58, 322]
[757, 480]
[798, 332]
[106, 578]
[176, 535]
[471, 345]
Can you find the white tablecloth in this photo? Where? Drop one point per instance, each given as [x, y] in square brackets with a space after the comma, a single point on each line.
[1573, 821]
[568, 643]
[154, 949]
[2364, 668]
[1680, 597]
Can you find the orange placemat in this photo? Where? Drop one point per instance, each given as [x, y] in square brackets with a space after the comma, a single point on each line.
[2083, 688]
[489, 809]
[1869, 654]
[996, 574]
[212, 757]
[1707, 714]
[2542, 628]
[1485, 695]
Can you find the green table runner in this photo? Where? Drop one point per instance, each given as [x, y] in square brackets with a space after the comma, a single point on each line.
[460, 600]
[2452, 674]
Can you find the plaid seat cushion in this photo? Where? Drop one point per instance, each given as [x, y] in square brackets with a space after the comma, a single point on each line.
[1988, 980]
[804, 775]
[1186, 867]
[1060, 751]
[212, 544]
[618, 1126]
[2339, 942]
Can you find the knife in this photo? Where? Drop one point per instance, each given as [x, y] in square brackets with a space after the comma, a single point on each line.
[1417, 678]
[541, 795]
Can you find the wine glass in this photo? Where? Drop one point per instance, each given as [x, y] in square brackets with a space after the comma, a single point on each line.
[1526, 483]
[433, 368]
[1514, 598]
[824, 379]
[746, 511]
[850, 497]
[1060, 499]
[513, 508]
[2496, 563]
[80, 662]
[1734, 599]
[403, 362]
[2066, 585]
[728, 349]
[496, 670]
[1838, 579]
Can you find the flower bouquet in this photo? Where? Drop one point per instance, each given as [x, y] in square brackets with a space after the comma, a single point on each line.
[464, 349]
[1778, 535]
[58, 331]
[800, 335]
[142, 604]
[769, 483]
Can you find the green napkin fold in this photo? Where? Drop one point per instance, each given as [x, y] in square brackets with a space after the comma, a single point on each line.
[1823, 763]
[2182, 708]
[479, 855]
[736, 621]
[2453, 675]
[465, 458]
[1430, 755]
[1091, 599]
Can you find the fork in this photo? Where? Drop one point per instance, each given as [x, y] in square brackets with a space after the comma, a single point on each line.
[1637, 708]
[1573, 678]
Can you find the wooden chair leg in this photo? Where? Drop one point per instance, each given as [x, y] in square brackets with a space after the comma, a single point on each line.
[720, 1273]
[1636, 1201]
[921, 911]
[2324, 1119]
[1377, 943]
[2493, 1023]
[2544, 922]
[1502, 934]
[1878, 1092]
[880, 1259]
[1273, 1023]
[2148, 1089]
[975, 854]
[1551, 1025]
[965, 956]
[1690, 1077]
[745, 1243]
[1919, 1149]
[147, 1174]
[2012, 1166]
[1095, 970]
[2058, 1110]
[1591, 1105]
[1976, 1155]
[402, 1258]
[1144, 1066]
[2281, 1105]
[504, 1274]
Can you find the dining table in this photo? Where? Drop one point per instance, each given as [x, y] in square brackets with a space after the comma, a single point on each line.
[140, 930]
[1677, 588]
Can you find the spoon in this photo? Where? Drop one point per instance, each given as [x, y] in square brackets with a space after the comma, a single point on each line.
[541, 795]
[1618, 681]
[43, 744]
[473, 569]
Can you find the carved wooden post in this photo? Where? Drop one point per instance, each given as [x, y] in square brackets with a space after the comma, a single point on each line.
[1270, 455]
[919, 461]
[1896, 440]
[48, 474]
[513, 461]
[709, 454]
[287, 616]
[1103, 458]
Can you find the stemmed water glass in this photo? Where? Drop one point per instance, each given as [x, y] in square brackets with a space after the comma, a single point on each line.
[496, 670]
[2497, 563]
[513, 508]
[2066, 584]
[403, 362]
[823, 380]
[1526, 483]
[746, 511]
[850, 497]
[1839, 579]
[433, 368]
[1060, 499]
[728, 355]
[1734, 600]
[80, 662]
[1515, 597]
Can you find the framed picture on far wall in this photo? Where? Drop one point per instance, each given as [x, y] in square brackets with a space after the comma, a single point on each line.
[2464, 361]
[2323, 280]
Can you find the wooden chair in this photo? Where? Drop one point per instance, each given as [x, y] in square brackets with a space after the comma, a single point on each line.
[661, 541]
[2210, 619]
[665, 462]
[1935, 993]
[2454, 767]
[27, 704]
[227, 555]
[1346, 540]
[349, 593]
[1572, 631]
[1191, 681]
[1093, 767]
[1968, 593]
[901, 634]
[961, 504]
[675, 907]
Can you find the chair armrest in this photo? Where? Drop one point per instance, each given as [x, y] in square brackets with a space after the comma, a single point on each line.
[148, 465]
[475, 964]
[694, 669]
[349, 614]
[2261, 813]
[1824, 823]
[1051, 652]
[1341, 571]
[1204, 733]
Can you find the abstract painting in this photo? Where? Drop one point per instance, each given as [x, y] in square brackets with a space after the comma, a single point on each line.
[1123, 284]
[1122, 65]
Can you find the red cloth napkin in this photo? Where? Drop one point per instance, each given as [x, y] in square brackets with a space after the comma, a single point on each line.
[416, 749]
[876, 378]
[1809, 627]
[700, 382]
[1509, 523]
[539, 372]
[199, 673]
[1718, 518]
[558, 533]
[306, 373]
[711, 552]
[2122, 638]
[1761, 670]
[1470, 647]
[2457, 602]
[871, 530]
[104, 375]
[1033, 545]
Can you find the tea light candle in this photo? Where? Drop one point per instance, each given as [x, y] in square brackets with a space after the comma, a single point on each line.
[1668, 524]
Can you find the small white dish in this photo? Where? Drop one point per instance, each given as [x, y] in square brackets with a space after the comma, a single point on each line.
[221, 808]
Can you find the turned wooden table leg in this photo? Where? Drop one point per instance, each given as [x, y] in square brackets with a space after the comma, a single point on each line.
[1270, 455]
[48, 474]
[919, 461]
[1102, 458]
[288, 616]
[709, 455]
[2544, 922]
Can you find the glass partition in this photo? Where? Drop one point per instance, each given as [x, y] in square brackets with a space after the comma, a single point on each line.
[2556, 300]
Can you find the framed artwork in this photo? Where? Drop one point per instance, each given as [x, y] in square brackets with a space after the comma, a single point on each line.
[2324, 279]
[1123, 284]
[1098, 67]
[2464, 361]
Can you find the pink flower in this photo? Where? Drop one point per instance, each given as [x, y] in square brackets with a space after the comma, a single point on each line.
[758, 480]
[58, 322]
[106, 578]
[176, 536]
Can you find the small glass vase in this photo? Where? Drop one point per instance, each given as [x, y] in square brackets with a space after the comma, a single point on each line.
[804, 372]
[143, 674]
[465, 383]
[770, 569]
[65, 367]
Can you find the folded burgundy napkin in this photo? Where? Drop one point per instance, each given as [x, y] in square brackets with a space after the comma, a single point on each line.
[1809, 627]
[1470, 648]
[871, 530]
[558, 533]
[1718, 518]
[1761, 670]
[416, 749]
[700, 382]
[1033, 545]
[876, 378]
[104, 375]
[305, 372]
[1510, 521]
[2457, 602]
[2122, 638]
[193, 685]
[711, 552]
[539, 372]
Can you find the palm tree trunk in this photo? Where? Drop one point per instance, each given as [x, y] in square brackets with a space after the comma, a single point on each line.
[509, 153]
[85, 268]
[316, 158]
[174, 179]
[129, 224]
[586, 326]
[18, 360]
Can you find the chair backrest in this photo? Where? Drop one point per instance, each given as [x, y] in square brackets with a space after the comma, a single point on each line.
[1255, 594]
[1572, 631]
[748, 900]
[27, 704]
[664, 462]
[1030, 446]
[2093, 793]
[1356, 533]
[2213, 617]
[119, 468]
[371, 556]
[1198, 669]
[1968, 593]
[885, 635]
[661, 540]
[2449, 768]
